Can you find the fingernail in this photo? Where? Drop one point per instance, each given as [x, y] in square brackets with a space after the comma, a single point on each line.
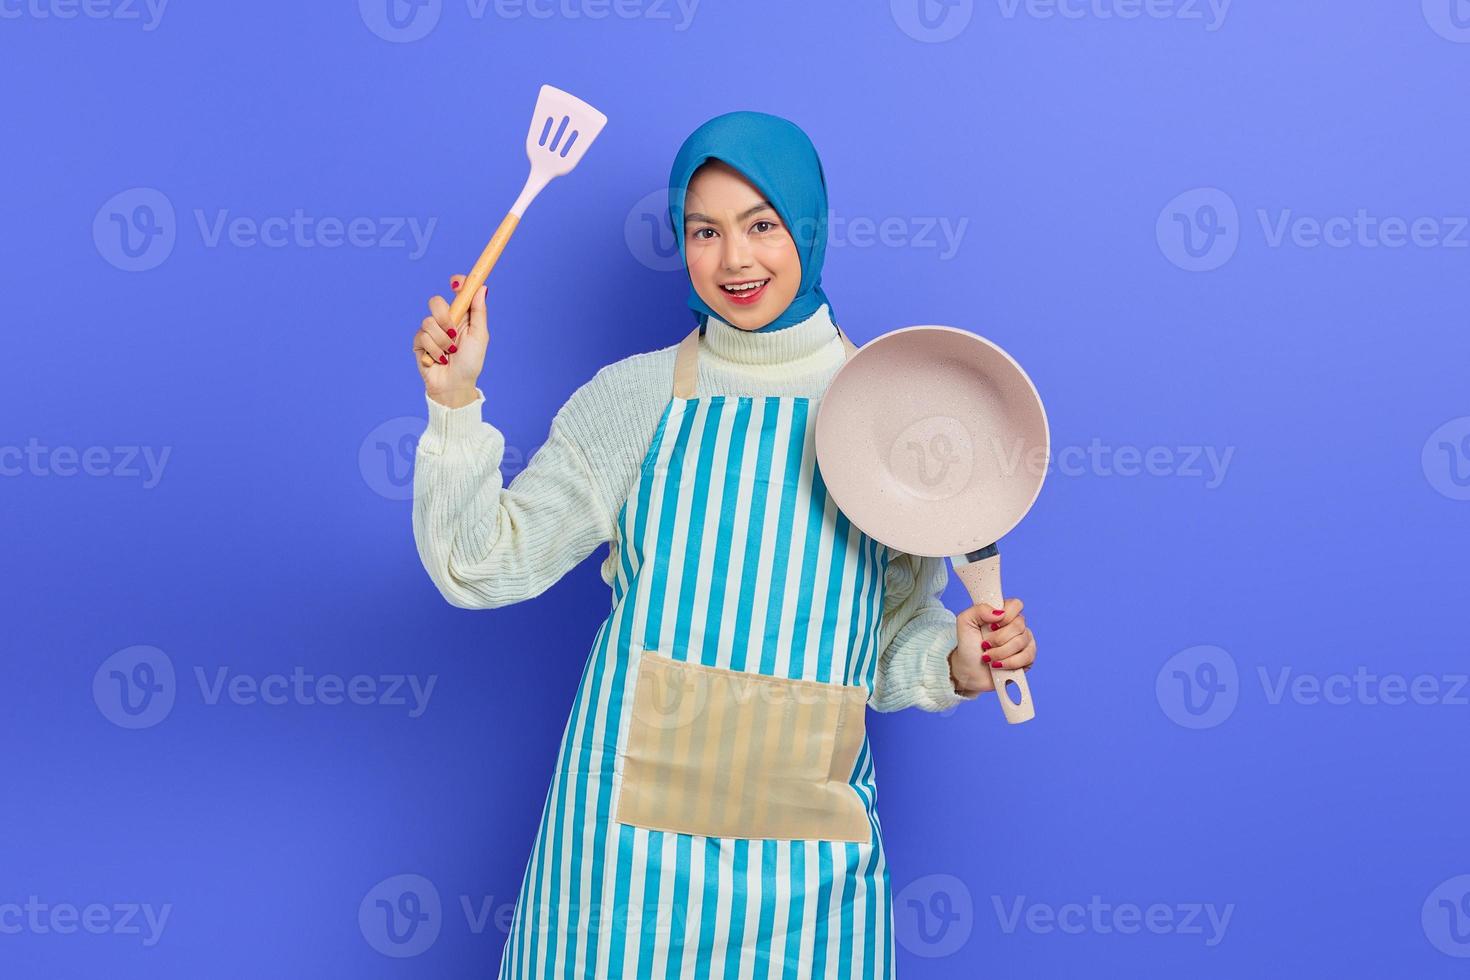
[999, 612]
[455, 284]
[994, 626]
[996, 664]
[453, 332]
[985, 645]
[985, 659]
[443, 359]
[453, 348]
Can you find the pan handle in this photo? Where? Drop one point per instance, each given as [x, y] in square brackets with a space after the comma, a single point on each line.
[980, 571]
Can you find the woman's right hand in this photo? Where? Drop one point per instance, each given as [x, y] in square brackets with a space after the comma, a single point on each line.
[450, 355]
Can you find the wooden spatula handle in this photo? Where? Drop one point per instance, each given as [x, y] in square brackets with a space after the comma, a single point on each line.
[482, 268]
[982, 581]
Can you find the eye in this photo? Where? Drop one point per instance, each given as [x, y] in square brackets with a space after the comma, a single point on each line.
[769, 224]
[698, 231]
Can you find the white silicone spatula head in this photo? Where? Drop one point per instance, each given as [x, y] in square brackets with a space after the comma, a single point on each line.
[562, 127]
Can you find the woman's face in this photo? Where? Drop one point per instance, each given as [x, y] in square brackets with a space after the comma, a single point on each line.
[733, 236]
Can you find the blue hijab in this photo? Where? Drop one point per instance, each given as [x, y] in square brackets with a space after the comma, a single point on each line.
[780, 160]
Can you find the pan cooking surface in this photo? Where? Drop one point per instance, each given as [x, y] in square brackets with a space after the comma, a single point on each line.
[932, 440]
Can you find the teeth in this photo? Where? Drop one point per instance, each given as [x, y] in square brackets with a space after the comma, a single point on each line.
[746, 287]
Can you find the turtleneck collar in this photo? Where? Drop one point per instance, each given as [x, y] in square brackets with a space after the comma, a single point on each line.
[799, 340]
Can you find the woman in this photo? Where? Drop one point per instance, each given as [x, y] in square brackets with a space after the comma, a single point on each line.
[713, 806]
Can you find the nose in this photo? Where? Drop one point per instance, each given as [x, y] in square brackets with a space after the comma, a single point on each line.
[736, 253]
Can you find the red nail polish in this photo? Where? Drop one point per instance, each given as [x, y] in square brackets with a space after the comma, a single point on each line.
[985, 645]
[994, 627]
[996, 664]
[443, 359]
[456, 284]
[999, 612]
[452, 332]
[453, 348]
[985, 659]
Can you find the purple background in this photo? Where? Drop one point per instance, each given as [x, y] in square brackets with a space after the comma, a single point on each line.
[279, 381]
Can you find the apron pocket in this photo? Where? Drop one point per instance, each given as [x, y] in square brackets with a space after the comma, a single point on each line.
[728, 753]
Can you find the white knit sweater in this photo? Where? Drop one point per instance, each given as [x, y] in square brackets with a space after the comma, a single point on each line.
[485, 544]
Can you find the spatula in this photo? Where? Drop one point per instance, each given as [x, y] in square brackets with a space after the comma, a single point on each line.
[562, 128]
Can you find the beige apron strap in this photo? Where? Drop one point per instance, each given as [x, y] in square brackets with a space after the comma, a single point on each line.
[686, 362]
[686, 365]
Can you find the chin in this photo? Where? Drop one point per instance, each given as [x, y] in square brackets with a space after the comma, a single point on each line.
[747, 317]
[745, 320]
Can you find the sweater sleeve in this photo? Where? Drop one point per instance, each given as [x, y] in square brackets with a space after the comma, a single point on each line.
[485, 544]
[916, 636]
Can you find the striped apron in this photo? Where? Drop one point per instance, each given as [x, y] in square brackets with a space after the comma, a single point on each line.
[731, 562]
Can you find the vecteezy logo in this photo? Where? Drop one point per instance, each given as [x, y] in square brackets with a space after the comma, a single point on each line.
[1449, 18]
[934, 915]
[386, 456]
[1446, 458]
[135, 229]
[933, 457]
[648, 234]
[401, 916]
[400, 21]
[932, 21]
[1198, 687]
[135, 688]
[665, 702]
[1199, 230]
[1446, 916]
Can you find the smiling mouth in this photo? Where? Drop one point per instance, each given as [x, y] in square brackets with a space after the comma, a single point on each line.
[745, 293]
[743, 288]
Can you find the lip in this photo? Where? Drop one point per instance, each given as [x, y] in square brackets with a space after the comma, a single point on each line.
[746, 299]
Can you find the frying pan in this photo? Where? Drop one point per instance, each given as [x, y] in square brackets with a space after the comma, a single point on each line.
[933, 441]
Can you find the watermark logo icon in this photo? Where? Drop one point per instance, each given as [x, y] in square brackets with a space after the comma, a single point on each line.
[385, 458]
[135, 229]
[933, 457]
[1450, 19]
[1198, 687]
[1446, 917]
[648, 234]
[135, 687]
[1446, 458]
[400, 21]
[669, 697]
[932, 21]
[1199, 230]
[401, 916]
[934, 915]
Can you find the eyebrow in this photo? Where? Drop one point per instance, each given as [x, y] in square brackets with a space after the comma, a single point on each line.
[698, 216]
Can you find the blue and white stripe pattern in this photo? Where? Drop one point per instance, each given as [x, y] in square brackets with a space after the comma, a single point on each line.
[731, 554]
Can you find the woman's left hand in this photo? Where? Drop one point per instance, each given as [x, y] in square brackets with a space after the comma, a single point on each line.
[986, 637]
